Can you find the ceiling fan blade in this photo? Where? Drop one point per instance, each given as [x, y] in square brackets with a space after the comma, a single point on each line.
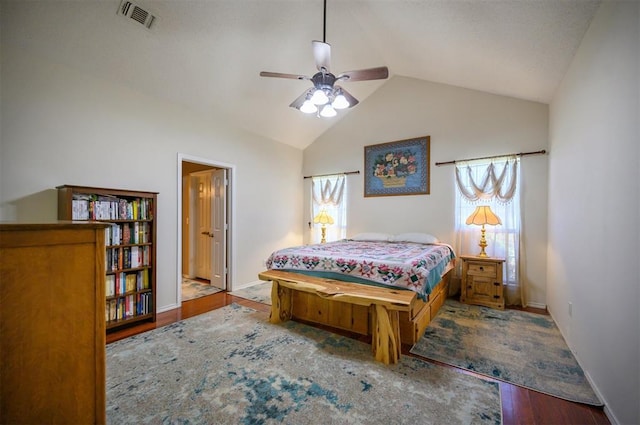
[379, 73]
[281, 75]
[322, 55]
[300, 100]
[352, 100]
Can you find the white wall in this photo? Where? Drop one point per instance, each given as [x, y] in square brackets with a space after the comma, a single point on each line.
[594, 235]
[462, 124]
[60, 126]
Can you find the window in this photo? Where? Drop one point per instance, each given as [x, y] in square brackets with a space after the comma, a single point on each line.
[329, 193]
[492, 183]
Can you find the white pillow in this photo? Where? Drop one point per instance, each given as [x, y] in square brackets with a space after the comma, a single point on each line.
[385, 237]
[414, 237]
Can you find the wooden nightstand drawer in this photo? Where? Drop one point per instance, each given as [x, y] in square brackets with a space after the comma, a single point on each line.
[482, 269]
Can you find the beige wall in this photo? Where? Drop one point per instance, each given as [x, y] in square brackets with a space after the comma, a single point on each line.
[462, 123]
[61, 126]
[594, 207]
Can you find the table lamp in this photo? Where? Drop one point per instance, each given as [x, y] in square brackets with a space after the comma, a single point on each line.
[324, 219]
[481, 216]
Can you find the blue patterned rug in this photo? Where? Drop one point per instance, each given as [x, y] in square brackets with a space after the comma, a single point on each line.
[230, 366]
[522, 348]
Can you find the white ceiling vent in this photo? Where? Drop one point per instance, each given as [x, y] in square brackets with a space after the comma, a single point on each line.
[133, 12]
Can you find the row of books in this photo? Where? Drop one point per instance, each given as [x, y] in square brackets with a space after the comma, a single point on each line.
[122, 283]
[128, 307]
[128, 233]
[94, 207]
[128, 257]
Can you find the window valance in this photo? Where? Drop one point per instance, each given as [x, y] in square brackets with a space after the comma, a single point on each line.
[495, 183]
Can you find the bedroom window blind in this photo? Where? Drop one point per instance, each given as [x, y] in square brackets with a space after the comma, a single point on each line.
[329, 193]
[494, 183]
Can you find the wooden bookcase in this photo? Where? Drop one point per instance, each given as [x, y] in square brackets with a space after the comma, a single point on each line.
[130, 244]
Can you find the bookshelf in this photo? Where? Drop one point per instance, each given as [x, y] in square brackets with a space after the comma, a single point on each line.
[130, 246]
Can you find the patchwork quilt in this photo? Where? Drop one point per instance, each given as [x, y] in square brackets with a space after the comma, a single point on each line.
[406, 265]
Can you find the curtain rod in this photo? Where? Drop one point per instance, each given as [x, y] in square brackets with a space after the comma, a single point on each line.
[540, 152]
[333, 174]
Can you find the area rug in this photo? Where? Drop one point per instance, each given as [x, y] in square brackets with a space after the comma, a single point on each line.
[260, 292]
[192, 289]
[231, 366]
[522, 348]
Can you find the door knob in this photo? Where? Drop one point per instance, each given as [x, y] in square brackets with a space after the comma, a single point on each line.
[208, 234]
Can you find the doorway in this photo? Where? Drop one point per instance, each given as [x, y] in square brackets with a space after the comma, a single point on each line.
[204, 231]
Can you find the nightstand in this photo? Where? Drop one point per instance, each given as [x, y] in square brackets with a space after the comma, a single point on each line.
[482, 281]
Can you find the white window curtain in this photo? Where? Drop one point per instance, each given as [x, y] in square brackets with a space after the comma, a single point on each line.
[494, 183]
[329, 193]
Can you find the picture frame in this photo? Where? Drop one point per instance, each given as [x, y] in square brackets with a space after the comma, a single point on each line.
[397, 168]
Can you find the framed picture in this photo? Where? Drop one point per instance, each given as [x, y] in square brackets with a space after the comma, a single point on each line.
[397, 168]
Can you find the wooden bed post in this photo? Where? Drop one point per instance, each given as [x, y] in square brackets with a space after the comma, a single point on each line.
[280, 303]
[385, 341]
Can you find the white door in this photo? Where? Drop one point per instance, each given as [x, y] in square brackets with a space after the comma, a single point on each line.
[203, 224]
[219, 228]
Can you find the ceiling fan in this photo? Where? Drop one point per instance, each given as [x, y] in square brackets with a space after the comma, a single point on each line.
[325, 96]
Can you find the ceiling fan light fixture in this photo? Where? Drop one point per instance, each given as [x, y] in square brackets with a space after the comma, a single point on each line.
[324, 97]
[328, 111]
[340, 102]
[319, 97]
[308, 107]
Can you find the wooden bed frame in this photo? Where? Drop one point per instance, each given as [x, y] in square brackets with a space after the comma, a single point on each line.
[391, 316]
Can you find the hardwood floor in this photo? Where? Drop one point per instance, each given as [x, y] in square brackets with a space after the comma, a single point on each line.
[520, 406]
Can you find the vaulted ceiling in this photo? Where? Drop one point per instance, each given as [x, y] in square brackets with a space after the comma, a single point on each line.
[207, 54]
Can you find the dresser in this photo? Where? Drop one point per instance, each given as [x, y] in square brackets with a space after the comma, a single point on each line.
[52, 323]
[482, 281]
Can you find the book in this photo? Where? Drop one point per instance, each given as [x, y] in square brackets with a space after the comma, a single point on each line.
[110, 285]
[126, 234]
[80, 209]
[112, 308]
[142, 281]
[131, 282]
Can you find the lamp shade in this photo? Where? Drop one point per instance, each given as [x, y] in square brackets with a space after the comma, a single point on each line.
[308, 107]
[323, 218]
[319, 97]
[340, 102]
[328, 111]
[483, 215]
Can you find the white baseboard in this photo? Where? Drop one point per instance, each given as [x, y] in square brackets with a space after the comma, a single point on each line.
[537, 305]
[167, 308]
[609, 414]
[596, 390]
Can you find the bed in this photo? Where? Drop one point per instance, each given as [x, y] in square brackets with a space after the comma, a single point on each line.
[343, 284]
